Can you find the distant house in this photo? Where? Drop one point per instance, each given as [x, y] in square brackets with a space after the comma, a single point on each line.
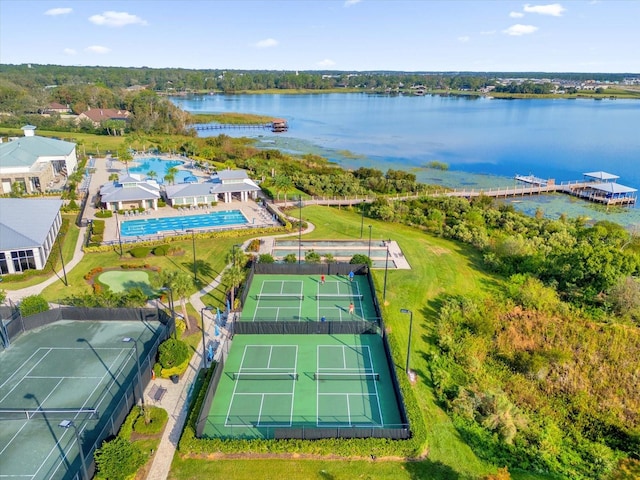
[223, 186]
[99, 115]
[26, 245]
[36, 163]
[55, 107]
[130, 191]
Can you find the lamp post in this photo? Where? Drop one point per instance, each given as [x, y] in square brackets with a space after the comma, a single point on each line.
[204, 347]
[135, 346]
[193, 241]
[386, 268]
[64, 270]
[404, 310]
[69, 424]
[300, 231]
[370, 241]
[361, 218]
[118, 231]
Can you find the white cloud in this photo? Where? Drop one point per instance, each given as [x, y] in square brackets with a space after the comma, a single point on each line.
[518, 30]
[58, 11]
[348, 3]
[326, 63]
[116, 19]
[516, 14]
[97, 49]
[69, 51]
[266, 43]
[553, 9]
[488, 32]
[464, 39]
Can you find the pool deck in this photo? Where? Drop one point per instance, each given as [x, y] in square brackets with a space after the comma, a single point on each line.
[256, 215]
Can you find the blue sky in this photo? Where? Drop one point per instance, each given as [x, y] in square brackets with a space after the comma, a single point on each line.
[351, 35]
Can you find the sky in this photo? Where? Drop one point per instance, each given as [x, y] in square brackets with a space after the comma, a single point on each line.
[343, 35]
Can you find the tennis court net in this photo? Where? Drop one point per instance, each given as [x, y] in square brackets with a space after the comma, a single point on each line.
[328, 296]
[48, 413]
[279, 296]
[264, 376]
[346, 376]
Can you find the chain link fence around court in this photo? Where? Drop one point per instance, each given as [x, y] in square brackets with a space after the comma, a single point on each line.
[16, 325]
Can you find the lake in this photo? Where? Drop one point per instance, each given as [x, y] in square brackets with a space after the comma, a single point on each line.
[484, 141]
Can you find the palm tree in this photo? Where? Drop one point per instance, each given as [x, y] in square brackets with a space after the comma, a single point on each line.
[181, 284]
[282, 183]
[152, 174]
[234, 275]
[170, 177]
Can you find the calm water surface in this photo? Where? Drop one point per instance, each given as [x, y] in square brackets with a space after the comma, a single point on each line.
[484, 141]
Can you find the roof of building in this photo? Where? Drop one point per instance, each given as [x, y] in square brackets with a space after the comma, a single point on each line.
[129, 188]
[57, 106]
[25, 151]
[224, 175]
[15, 232]
[100, 114]
[610, 187]
[208, 188]
[601, 175]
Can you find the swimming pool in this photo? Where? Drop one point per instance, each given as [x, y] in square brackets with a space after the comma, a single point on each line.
[161, 167]
[152, 226]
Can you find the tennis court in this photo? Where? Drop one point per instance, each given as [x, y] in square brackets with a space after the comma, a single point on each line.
[274, 382]
[77, 371]
[304, 298]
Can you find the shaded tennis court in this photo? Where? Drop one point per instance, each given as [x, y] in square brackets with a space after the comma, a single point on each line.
[74, 371]
[272, 383]
[305, 298]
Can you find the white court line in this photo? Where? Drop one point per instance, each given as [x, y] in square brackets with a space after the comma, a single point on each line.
[270, 355]
[375, 386]
[235, 387]
[11, 440]
[24, 363]
[63, 377]
[28, 372]
[260, 411]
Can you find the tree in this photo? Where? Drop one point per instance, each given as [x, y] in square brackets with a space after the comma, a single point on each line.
[3, 296]
[181, 284]
[152, 174]
[282, 183]
[118, 459]
[234, 274]
[360, 259]
[33, 304]
[170, 177]
[625, 297]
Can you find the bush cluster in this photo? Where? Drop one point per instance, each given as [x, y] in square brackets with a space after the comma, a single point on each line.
[33, 304]
[92, 273]
[104, 214]
[172, 352]
[139, 251]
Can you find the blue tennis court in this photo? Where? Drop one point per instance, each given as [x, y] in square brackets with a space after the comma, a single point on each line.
[152, 226]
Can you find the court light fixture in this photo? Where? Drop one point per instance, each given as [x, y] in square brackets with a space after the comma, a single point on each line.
[66, 424]
[204, 347]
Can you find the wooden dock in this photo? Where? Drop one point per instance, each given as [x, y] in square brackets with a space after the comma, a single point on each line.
[277, 125]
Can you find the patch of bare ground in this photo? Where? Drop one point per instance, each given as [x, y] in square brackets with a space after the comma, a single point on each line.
[439, 250]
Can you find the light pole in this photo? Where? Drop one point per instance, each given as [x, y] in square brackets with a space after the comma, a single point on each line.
[361, 218]
[204, 347]
[386, 268]
[135, 346]
[370, 241]
[404, 310]
[118, 231]
[165, 289]
[193, 241]
[300, 231]
[69, 424]
[64, 270]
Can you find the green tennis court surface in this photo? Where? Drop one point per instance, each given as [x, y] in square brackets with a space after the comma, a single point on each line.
[65, 371]
[304, 298]
[272, 382]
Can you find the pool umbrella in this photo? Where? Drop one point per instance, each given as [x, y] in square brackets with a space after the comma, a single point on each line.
[217, 331]
[218, 317]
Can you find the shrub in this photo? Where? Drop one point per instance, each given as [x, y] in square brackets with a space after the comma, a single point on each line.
[181, 327]
[104, 214]
[98, 227]
[117, 459]
[161, 250]
[290, 258]
[151, 420]
[312, 257]
[360, 259]
[172, 352]
[162, 203]
[266, 258]
[139, 252]
[33, 304]
[254, 245]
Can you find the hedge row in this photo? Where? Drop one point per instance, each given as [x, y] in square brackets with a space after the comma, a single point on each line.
[223, 234]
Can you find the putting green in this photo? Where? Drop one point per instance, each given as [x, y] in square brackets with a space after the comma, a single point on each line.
[123, 280]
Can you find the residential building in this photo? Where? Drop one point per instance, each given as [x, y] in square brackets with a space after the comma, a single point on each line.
[99, 115]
